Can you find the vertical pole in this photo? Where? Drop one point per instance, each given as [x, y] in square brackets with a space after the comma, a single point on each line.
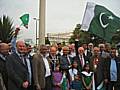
[42, 7]
[36, 32]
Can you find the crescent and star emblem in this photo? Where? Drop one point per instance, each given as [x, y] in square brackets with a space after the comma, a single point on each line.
[100, 18]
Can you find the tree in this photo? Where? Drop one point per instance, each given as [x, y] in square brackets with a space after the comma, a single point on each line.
[47, 40]
[6, 29]
[76, 34]
[83, 36]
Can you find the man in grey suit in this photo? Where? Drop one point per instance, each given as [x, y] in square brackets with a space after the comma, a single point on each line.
[41, 70]
[16, 69]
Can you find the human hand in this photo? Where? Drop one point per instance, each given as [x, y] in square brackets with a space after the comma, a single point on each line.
[88, 88]
[38, 87]
[25, 84]
[58, 84]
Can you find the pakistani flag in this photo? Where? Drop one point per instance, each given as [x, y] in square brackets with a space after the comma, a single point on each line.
[100, 21]
[25, 20]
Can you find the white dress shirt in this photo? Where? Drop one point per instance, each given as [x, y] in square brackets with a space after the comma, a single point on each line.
[48, 73]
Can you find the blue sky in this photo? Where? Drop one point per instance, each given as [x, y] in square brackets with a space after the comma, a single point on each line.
[61, 15]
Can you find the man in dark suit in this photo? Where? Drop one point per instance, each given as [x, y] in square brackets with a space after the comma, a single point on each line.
[4, 52]
[112, 71]
[16, 69]
[65, 59]
[29, 58]
[87, 52]
[53, 58]
[81, 58]
[97, 66]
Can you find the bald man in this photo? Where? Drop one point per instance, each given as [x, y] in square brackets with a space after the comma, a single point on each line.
[65, 59]
[17, 69]
[4, 52]
[53, 57]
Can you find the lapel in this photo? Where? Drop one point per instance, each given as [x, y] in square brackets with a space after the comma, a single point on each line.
[117, 64]
[65, 59]
[17, 58]
[49, 61]
[41, 60]
[2, 59]
[79, 63]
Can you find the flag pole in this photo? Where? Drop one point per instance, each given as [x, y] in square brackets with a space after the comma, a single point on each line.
[42, 7]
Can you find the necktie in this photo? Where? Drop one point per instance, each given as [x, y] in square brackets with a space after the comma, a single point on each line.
[81, 60]
[24, 60]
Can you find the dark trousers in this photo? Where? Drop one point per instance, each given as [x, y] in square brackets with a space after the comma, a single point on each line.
[112, 84]
[48, 83]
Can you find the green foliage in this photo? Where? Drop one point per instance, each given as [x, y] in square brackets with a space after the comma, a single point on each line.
[47, 40]
[84, 37]
[6, 29]
[63, 43]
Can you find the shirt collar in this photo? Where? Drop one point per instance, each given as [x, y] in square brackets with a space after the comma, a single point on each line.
[3, 57]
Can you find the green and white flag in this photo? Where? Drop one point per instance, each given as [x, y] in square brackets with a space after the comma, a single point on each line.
[25, 20]
[99, 21]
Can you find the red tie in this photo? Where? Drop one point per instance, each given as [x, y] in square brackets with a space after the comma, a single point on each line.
[81, 60]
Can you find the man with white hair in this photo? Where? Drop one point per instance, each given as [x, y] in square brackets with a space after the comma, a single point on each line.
[81, 58]
[102, 52]
[17, 69]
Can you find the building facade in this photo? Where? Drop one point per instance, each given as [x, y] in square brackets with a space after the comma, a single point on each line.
[59, 37]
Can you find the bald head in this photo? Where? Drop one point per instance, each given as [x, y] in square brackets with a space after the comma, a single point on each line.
[4, 48]
[53, 50]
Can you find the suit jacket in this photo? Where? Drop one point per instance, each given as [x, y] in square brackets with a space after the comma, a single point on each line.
[99, 71]
[64, 63]
[17, 72]
[38, 70]
[2, 86]
[107, 70]
[89, 54]
[31, 87]
[77, 58]
[53, 62]
[3, 71]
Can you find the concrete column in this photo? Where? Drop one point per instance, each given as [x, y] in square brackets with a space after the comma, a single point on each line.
[42, 10]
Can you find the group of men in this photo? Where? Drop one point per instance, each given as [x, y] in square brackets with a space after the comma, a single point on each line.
[21, 71]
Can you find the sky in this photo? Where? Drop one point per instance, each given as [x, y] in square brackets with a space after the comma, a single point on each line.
[61, 15]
